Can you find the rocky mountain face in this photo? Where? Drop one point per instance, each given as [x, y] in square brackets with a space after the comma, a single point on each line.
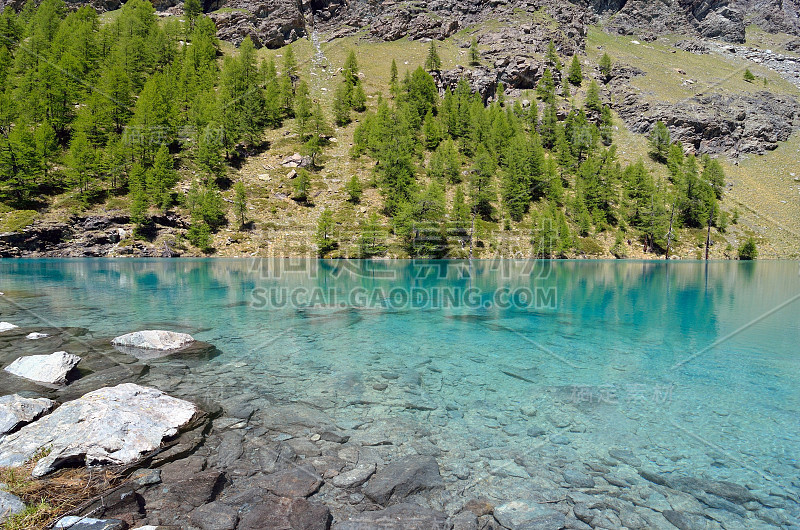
[272, 23]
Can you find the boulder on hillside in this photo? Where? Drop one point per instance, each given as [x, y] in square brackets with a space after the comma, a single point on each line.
[16, 411]
[7, 326]
[50, 369]
[113, 425]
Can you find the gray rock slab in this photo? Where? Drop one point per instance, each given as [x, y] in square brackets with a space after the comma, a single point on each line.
[114, 425]
[16, 411]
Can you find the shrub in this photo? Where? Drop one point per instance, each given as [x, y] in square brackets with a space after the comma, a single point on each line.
[748, 249]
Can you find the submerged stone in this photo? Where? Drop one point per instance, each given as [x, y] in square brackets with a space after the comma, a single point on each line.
[115, 425]
[523, 515]
[50, 369]
[403, 477]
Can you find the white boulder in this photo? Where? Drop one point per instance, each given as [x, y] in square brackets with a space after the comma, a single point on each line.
[36, 335]
[113, 425]
[154, 340]
[7, 326]
[51, 369]
[16, 410]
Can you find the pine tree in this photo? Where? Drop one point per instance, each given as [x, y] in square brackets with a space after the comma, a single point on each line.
[138, 195]
[474, 53]
[430, 132]
[161, 178]
[432, 62]
[675, 163]
[575, 73]
[605, 66]
[358, 99]
[350, 70]
[354, 189]
[552, 57]
[715, 175]
[372, 240]
[549, 127]
[324, 237]
[593, 102]
[660, 141]
[748, 76]
[303, 109]
[500, 94]
[482, 191]
[289, 63]
[192, 9]
[302, 185]
[240, 202]
[393, 73]
[459, 214]
[341, 105]
[208, 154]
[546, 89]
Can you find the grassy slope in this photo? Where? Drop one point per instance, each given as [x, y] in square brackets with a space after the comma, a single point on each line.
[764, 191]
[284, 227]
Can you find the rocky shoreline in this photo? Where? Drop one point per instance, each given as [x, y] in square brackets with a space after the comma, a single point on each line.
[289, 461]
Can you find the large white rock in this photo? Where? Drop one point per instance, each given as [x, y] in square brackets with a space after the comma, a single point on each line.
[113, 425]
[36, 335]
[154, 340]
[16, 410]
[51, 369]
[7, 326]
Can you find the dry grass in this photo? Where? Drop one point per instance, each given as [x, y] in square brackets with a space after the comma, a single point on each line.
[661, 61]
[47, 499]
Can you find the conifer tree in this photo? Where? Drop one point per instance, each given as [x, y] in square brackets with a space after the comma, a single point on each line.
[432, 62]
[593, 102]
[240, 202]
[474, 53]
[605, 67]
[341, 105]
[575, 72]
[660, 141]
[354, 189]
[546, 89]
[324, 237]
[372, 239]
[161, 178]
[552, 57]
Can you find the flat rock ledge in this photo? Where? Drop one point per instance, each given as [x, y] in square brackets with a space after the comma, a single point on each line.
[16, 411]
[50, 369]
[114, 425]
[158, 340]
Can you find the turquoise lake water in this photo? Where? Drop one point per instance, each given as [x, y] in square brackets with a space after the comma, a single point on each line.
[694, 367]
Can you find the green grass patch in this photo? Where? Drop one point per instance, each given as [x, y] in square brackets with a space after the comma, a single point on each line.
[16, 220]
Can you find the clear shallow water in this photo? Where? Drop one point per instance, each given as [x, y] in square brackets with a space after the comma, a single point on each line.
[693, 367]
